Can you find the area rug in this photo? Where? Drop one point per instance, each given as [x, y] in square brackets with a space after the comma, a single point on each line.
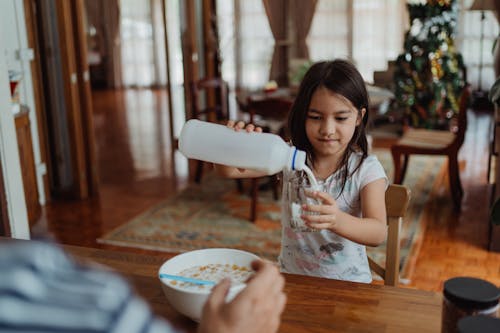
[215, 214]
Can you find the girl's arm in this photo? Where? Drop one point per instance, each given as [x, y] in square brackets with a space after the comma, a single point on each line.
[232, 172]
[371, 229]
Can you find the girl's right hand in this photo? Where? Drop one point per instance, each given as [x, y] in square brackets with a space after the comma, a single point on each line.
[239, 125]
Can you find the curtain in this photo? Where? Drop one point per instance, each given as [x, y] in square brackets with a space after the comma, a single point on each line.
[496, 59]
[303, 16]
[276, 11]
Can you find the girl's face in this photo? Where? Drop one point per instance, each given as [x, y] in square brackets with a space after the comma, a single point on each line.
[330, 122]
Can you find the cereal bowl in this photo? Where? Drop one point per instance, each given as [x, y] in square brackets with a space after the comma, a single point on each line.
[206, 264]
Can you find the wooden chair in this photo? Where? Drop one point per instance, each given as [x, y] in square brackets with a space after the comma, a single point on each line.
[397, 198]
[209, 102]
[435, 142]
[273, 113]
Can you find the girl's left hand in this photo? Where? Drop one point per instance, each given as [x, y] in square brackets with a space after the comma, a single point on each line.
[321, 216]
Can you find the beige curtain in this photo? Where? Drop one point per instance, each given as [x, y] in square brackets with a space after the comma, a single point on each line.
[276, 11]
[104, 15]
[302, 19]
[496, 60]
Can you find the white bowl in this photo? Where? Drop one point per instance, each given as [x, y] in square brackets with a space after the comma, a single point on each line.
[190, 302]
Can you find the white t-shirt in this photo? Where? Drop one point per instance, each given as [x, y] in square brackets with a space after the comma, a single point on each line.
[324, 253]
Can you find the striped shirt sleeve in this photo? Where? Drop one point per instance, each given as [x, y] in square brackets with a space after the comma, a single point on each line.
[43, 290]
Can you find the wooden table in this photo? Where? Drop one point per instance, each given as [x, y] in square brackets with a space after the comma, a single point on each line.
[314, 304]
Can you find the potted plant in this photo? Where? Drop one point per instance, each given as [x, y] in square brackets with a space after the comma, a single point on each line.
[494, 94]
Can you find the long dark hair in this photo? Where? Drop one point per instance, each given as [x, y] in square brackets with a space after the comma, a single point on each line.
[340, 77]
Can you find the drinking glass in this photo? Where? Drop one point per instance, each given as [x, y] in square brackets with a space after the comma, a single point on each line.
[298, 188]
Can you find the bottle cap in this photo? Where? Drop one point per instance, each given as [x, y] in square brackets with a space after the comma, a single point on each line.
[468, 292]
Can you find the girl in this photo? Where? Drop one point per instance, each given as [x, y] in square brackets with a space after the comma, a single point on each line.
[327, 121]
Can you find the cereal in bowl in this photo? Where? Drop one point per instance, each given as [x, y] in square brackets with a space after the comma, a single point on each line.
[213, 272]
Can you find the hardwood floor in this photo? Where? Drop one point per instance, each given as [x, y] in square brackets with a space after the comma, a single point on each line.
[137, 171]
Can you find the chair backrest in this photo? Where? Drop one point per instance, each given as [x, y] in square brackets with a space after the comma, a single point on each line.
[271, 110]
[397, 198]
[462, 116]
[209, 100]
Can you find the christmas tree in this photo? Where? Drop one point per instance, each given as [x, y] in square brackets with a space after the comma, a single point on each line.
[430, 74]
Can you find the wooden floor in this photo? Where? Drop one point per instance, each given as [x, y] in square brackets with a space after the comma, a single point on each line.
[137, 171]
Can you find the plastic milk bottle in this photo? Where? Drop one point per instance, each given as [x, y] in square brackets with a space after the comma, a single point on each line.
[219, 144]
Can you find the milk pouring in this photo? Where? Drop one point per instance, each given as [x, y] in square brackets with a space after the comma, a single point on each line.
[267, 152]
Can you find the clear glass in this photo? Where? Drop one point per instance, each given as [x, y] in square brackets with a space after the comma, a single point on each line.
[298, 190]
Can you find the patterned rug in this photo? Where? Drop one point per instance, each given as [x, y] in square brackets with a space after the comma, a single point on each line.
[215, 214]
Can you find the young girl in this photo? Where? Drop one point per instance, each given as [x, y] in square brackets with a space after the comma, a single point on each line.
[327, 121]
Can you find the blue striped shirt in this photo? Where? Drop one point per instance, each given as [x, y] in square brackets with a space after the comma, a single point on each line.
[43, 290]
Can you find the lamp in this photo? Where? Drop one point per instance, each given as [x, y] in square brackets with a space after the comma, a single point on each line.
[480, 98]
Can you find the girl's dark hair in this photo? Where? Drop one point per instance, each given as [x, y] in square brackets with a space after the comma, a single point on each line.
[340, 77]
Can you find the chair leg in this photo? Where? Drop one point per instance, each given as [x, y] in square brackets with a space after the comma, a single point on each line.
[406, 159]
[454, 179]
[275, 183]
[199, 172]
[253, 204]
[398, 172]
[396, 161]
[391, 276]
[239, 185]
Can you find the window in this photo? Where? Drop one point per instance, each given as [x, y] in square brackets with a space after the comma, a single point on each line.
[136, 33]
[377, 28]
[245, 41]
[378, 34]
[368, 32]
[175, 64]
[328, 36]
[468, 42]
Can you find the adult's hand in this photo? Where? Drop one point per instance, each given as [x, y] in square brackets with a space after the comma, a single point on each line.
[257, 308]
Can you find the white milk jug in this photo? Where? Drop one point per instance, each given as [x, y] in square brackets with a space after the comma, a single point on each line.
[220, 144]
